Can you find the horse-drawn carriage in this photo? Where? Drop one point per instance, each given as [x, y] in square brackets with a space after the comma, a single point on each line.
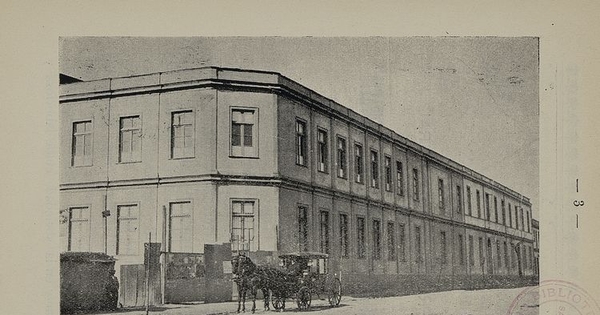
[309, 275]
[301, 276]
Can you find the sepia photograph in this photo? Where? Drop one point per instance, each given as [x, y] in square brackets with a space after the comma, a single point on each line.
[338, 175]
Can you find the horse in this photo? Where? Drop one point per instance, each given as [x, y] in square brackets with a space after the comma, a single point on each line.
[249, 277]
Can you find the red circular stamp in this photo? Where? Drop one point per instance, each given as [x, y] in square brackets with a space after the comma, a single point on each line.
[561, 296]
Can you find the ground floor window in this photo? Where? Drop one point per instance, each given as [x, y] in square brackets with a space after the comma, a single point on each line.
[242, 224]
[360, 237]
[79, 229]
[180, 227]
[127, 230]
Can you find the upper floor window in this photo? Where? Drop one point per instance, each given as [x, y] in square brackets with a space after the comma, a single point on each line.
[487, 207]
[478, 196]
[522, 219]
[130, 139]
[399, 178]
[243, 133]
[374, 169]
[441, 194]
[342, 165]
[495, 209]
[503, 207]
[182, 134]
[458, 198]
[300, 142]
[469, 208]
[516, 217]
[510, 221]
[242, 224]
[322, 150]
[358, 163]
[388, 173]
[415, 186]
[528, 228]
[81, 154]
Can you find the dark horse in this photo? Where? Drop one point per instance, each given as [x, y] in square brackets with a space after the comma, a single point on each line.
[249, 277]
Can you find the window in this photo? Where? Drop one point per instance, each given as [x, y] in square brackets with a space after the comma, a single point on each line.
[481, 257]
[478, 196]
[502, 205]
[243, 133]
[443, 249]
[344, 246]
[376, 239]
[471, 253]
[300, 142]
[469, 209]
[415, 184]
[399, 178]
[506, 255]
[391, 241]
[388, 173]
[374, 169]
[498, 254]
[341, 156]
[521, 217]
[79, 229]
[510, 220]
[458, 198]
[402, 248]
[182, 134]
[418, 254]
[322, 150]
[461, 250]
[487, 207]
[303, 228]
[81, 154]
[528, 230]
[127, 230]
[180, 227]
[358, 163]
[524, 256]
[242, 220]
[324, 232]
[360, 237]
[441, 195]
[130, 139]
[495, 209]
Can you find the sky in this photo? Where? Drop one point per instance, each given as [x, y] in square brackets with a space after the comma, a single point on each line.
[474, 100]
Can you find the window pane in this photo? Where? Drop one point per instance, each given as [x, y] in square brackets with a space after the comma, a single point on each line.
[236, 134]
[248, 135]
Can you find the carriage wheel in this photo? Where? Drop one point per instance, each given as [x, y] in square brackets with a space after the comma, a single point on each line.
[278, 303]
[334, 292]
[303, 298]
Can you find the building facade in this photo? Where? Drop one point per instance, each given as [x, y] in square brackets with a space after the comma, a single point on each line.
[252, 158]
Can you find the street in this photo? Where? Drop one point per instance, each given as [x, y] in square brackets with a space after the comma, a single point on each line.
[496, 301]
